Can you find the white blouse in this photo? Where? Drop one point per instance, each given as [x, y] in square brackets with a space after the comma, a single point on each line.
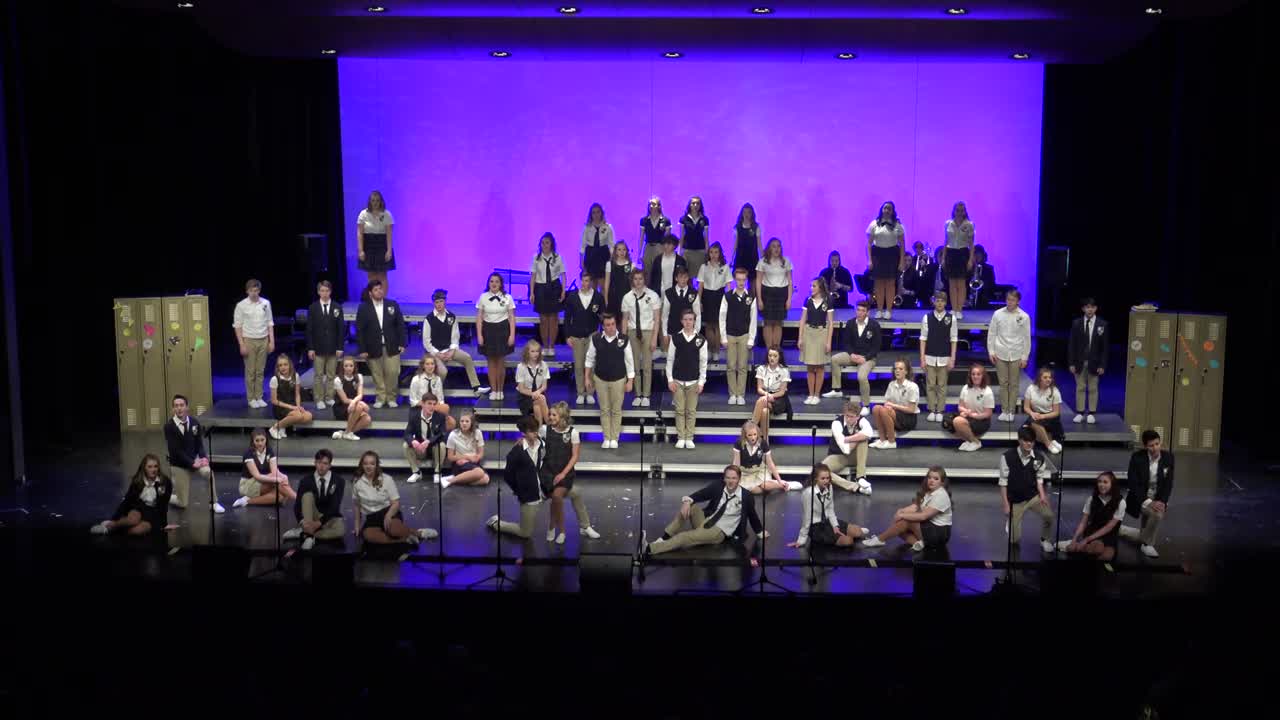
[359, 380]
[773, 378]
[977, 399]
[372, 499]
[775, 274]
[539, 268]
[959, 236]
[574, 437]
[885, 236]
[423, 384]
[495, 308]
[589, 237]
[375, 223]
[1119, 516]
[465, 444]
[711, 277]
[905, 394]
[940, 500]
[532, 377]
[1043, 401]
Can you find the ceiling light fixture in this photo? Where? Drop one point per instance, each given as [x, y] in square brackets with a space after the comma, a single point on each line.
[845, 56]
[328, 51]
[1021, 56]
[186, 6]
[1155, 11]
[499, 53]
[376, 9]
[957, 11]
[762, 10]
[672, 54]
[568, 10]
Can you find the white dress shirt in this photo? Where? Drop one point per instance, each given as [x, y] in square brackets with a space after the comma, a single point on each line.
[671, 361]
[372, 499]
[837, 433]
[732, 516]
[666, 271]
[627, 356]
[1009, 335]
[589, 237]
[906, 392]
[774, 274]
[539, 271]
[465, 444]
[253, 318]
[379, 307]
[773, 377]
[1042, 401]
[977, 399]
[714, 277]
[1041, 475]
[426, 334]
[939, 500]
[884, 236]
[532, 376]
[825, 512]
[959, 235]
[495, 310]
[1153, 478]
[322, 483]
[422, 384]
[640, 309]
[375, 223]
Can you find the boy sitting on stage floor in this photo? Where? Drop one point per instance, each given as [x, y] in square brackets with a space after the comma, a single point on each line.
[851, 435]
[729, 509]
[425, 433]
[318, 509]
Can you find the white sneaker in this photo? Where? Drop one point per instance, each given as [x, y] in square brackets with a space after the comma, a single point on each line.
[100, 529]
[864, 487]
[1055, 447]
[1090, 419]
[551, 535]
[274, 432]
[604, 445]
[499, 396]
[647, 401]
[378, 405]
[483, 390]
[865, 411]
[792, 486]
[218, 509]
[392, 403]
[581, 399]
[320, 405]
[1006, 417]
[875, 444]
[613, 444]
[308, 543]
[338, 434]
[492, 522]
[548, 352]
[1150, 551]
[1063, 545]
[917, 546]
[888, 314]
[241, 502]
[415, 477]
[879, 314]
[560, 539]
[958, 315]
[1078, 418]
[680, 444]
[591, 399]
[351, 436]
[293, 534]
[428, 534]
[872, 541]
[971, 447]
[1047, 546]
[435, 478]
[833, 394]
[688, 444]
[637, 401]
[888, 445]
[589, 532]
[445, 482]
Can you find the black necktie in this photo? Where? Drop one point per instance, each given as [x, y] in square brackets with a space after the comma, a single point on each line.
[724, 504]
[324, 488]
[547, 260]
[822, 511]
[639, 332]
[324, 309]
[1088, 334]
[597, 242]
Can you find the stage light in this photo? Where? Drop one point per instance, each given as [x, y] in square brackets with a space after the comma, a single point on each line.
[186, 6]
[1021, 56]
[328, 51]
[762, 10]
[376, 9]
[568, 10]
[672, 54]
[1155, 11]
[957, 11]
[499, 54]
[845, 56]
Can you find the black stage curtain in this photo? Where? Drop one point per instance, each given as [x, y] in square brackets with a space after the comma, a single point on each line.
[1158, 173]
[150, 161]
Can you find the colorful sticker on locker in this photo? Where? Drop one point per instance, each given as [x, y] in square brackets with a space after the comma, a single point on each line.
[1208, 346]
[149, 329]
[174, 326]
[1164, 347]
[199, 343]
[148, 344]
[1136, 345]
[198, 327]
[1214, 364]
[1186, 381]
[126, 332]
[1140, 362]
[133, 343]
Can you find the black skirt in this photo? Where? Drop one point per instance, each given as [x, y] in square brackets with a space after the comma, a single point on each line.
[525, 403]
[339, 410]
[1053, 426]
[375, 253]
[597, 260]
[957, 262]
[546, 298]
[980, 427]
[711, 300]
[548, 482]
[775, 303]
[495, 340]
[935, 536]
[279, 412]
[904, 421]
[459, 468]
[782, 406]
[822, 533]
[149, 514]
[374, 520]
[884, 262]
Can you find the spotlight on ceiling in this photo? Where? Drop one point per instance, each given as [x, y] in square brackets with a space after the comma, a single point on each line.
[568, 10]
[672, 54]
[957, 11]
[845, 56]
[1155, 11]
[328, 51]
[376, 8]
[186, 6]
[762, 10]
[1021, 56]
[499, 53]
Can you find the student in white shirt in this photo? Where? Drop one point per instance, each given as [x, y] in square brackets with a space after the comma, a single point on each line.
[958, 260]
[256, 333]
[641, 311]
[772, 380]
[729, 510]
[713, 277]
[496, 331]
[286, 398]
[974, 409]
[938, 339]
[818, 519]
[597, 245]
[1099, 528]
[773, 292]
[465, 452]
[531, 382]
[546, 291]
[1043, 405]
[900, 408]
[426, 380]
[851, 436]
[373, 239]
[349, 404]
[817, 320]
[738, 328]
[377, 507]
[1009, 346]
[886, 257]
[260, 477]
[751, 453]
[926, 523]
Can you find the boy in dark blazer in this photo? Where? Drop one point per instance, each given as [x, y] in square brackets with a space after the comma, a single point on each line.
[185, 443]
[425, 433]
[668, 259]
[1087, 357]
[326, 332]
[1150, 485]
[318, 509]
[729, 510]
[381, 335]
[523, 476]
[861, 343]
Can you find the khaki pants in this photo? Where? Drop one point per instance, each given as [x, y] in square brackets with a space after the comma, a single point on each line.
[386, 377]
[839, 463]
[1019, 509]
[324, 371]
[696, 259]
[686, 402]
[688, 533]
[738, 359]
[182, 484]
[460, 357]
[839, 361]
[579, 508]
[528, 515]
[610, 396]
[651, 253]
[255, 364]
[1008, 373]
[435, 453]
[643, 358]
[332, 529]
[579, 347]
[936, 387]
[1086, 379]
[1150, 526]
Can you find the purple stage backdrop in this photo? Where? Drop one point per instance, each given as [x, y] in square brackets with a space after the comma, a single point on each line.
[478, 158]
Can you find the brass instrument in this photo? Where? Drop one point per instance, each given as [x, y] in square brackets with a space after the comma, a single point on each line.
[975, 284]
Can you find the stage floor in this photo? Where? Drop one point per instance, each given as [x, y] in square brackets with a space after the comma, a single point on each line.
[1214, 512]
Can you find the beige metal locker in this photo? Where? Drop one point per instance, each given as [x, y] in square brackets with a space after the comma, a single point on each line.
[154, 395]
[1197, 397]
[128, 331]
[200, 371]
[1149, 379]
[177, 348]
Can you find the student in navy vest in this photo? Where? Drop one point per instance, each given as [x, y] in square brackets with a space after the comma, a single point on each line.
[654, 229]
[610, 369]
[1087, 358]
[260, 476]
[738, 328]
[440, 339]
[286, 398]
[1099, 527]
[1023, 472]
[582, 318]
[326, 333]
[729, 510]
[187, 456]
[523, 473]
[859, 347]
[851, 436]
[381, 335]
[318, 509]
[145, 507]
[693, 236]
[424, 437]
[925, 524]
[546, 291]
[818, 515]
[1150, 485]
[675, 300]
[938, 338]
[686, 376]
[348, 403]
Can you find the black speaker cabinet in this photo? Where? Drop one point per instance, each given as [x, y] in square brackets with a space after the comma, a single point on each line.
[333, 570]
[219, 565]
[933, 580]
[604, 573]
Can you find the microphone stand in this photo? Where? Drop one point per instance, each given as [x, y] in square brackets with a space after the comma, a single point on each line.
[498, 574]
[279, 563]
[764, 580]
[813, 457]
[659, 429]
[213, 498]
[640, 542]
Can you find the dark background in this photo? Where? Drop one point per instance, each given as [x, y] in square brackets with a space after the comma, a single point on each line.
[145, 159]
